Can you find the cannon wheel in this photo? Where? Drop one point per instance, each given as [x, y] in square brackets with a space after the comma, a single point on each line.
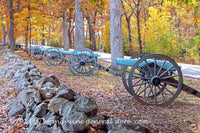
[82, 62]
[154, 84]
[126, 71]
[37, 53]
[31, 52]
[53, 56]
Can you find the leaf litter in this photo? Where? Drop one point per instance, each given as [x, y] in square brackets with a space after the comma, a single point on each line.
[183, 115]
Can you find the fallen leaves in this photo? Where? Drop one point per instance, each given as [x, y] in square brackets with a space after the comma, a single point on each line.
[113, 100]
[90, 129]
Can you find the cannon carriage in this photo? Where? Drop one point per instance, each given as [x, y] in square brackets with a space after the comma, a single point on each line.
[152, 79]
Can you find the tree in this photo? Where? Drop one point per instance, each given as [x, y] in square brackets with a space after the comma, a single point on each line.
[65, 31]
[128, 15]
[79, 26]
[91, 32]
[12, 39]
[115, 32]
[3, 31]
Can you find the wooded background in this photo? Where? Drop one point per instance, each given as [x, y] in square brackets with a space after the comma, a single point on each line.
[147, 26]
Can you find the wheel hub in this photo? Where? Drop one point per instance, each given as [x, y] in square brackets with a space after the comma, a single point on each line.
[82, 63]
[155, 80]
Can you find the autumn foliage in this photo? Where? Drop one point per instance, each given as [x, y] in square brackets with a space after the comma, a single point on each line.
[166, 27]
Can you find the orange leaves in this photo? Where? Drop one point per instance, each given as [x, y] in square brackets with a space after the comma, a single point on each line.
[20, 125]
[11, 91]
[16, 131]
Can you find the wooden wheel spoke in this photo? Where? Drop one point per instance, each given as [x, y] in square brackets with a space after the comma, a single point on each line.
[172, 84]
[167, 89]
[167, 77]
[88, 66]
[161, 67]
[145, 88]
[154, 72]
[85, 68]
[148, 67]
[142, 70]
[161, 92]
[166, 71]
[148, 94]
[155, 95]
[139, 88]
[135, 84]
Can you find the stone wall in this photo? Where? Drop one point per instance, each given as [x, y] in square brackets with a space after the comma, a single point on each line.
[50, 106]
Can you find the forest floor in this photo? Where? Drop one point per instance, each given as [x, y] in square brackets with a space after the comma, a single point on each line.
[183, 115]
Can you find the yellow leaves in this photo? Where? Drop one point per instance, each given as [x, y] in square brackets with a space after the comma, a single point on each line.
[153, 12]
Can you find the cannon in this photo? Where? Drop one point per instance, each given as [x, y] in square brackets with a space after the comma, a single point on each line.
[152, 79]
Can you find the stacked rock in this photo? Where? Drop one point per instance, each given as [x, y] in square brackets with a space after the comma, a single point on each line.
[52, 107]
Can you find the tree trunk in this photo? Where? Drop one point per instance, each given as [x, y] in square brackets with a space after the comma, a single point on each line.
[65, 31]
[43, 40]
[79, 26]
[129, 35]
[138, 25]
[71, 27]
[49, 37]
[3, 34]
[7, 33]
[26, 38]
[12, 39]
[70, 39]
[91, 32]
[29, 10]
[115, 32]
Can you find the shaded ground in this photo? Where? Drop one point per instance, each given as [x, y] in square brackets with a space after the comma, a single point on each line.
[183, 115]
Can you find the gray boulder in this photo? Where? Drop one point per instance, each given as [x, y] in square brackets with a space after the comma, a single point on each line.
[75, 122]
[46, 124]
[64, 109]
[40, 83]
[26, 95]
[98, 122]
[3, 71]
[55, 104]
[56, 81]
[39, 128]
[41, 110]
[76, 96]
[35, 78]
[118, 125]
[23, 81]
[15, 108]
[29, 114]
[37, 97]
[31, 105]
[30, 67]
[11, 73]
[85, 104]
[64, 86]
[18, 74]
[35, 72]
[67, 94]
[57, 129]
[48, 84]
[47, 92]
